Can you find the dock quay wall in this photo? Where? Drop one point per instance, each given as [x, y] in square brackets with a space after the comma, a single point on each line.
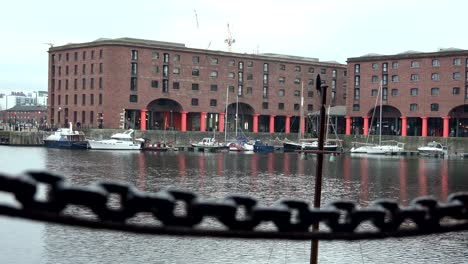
[183, 139]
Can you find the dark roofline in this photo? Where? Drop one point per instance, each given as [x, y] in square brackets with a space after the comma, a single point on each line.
[131, 42]
[26, 108]
[411, 55]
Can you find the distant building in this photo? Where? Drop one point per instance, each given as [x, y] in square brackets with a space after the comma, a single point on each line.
[144, 84]
[423, 94]
[24, 115]
[19, 98]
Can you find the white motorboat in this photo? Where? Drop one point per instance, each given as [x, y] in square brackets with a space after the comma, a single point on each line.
[119, 141]
[66, 138]
[385, 147]
[208, 144]
[433, 148]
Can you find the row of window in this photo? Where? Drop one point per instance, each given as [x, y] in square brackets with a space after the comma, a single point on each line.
[413, 77]
[413, 92]
[83, 99]
[84, 55]
[231, 62]
[75, 69]
[413, 107]
[413, 64]
[75, 84]
[83, 117]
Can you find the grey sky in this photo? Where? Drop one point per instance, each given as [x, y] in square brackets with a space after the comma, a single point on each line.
[324, 29]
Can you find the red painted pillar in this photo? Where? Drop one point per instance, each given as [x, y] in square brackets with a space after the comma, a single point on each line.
[348, 125]
[143, 119]
[255, 123]
[272, 124]
[221, 122]
[403, 126]
[183, 119]
[446, 126]
[424, 126]
[366, 125]
[287, 125]
[203, 121]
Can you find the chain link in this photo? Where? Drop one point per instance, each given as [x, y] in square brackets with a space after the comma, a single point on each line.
[179, 212]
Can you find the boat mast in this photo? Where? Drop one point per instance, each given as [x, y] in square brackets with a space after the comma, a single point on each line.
[301, 112]
[237, 111]
[226, 114]
[380, 118]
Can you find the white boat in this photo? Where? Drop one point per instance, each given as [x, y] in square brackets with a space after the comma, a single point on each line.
[118, 141]
[208, 144]
[66, 138]
[433, 148]
[383, 147]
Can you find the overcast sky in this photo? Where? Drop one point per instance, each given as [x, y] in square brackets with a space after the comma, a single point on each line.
[330, 30]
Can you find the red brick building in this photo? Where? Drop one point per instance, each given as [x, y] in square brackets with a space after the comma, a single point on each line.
[423, 94]
[145, 84]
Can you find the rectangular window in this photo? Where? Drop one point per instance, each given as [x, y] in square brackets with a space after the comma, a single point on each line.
[213, 102]
[194, 101]
[176, 71]
[134, 54]
[384, 67]
[280, 106]
[100, 54]
[265, 92]
[434, 107]
[165, 71]
[435, 63]
[249, 76]
[297, 107]
[375, 66]
[155, 69]
[457, 61]
[357, 68]
[456, 91]
[176, 57]
[414, 77]
[357, 93]
[83, 99]
[250, 64]
[166, 58]
[101, 68]
[133, 98]
[100, 83]
[133, 83]
[134, 69]
[165, 87]
[281, 92]
[310, 94]
[297, 81]
[83, 84]
[196, 59]
[414, 91]
[282, 80]
[297, 68]
[75, 70]
[282, 67]
[91, 99]
[357, 81]
[435, 91]
[374, 92]
[195, 72]
[91, 117]
[231, 75]
[241, 66]
[231, 62]
[214, 74]
[83, 117]
[395, 78]
[375, 79]
[297, 93]
[356, 107]
[154, 84]
[456, 76]
[75, 84]
[264, 105]
[84, 68]
[195, 87]
[231, 88]
[265, 67]
[214, 61]
[214, 87]
[92, 68]
[176, 85]
[323, 71]
[414, 64]
[75, 99]
[66, 99]
[435, 77]
[91, 84]
[395, 65]
[249, 90]
[100, 99]
[394, 92]
[92, 54]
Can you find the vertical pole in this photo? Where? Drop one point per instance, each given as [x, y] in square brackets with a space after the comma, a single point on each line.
[318, 171]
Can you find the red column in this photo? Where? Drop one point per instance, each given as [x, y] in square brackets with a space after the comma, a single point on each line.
[203, 121]
[348, 125]
[287, 125]
[255, 123]
[143, 119]
[272, 124]
[424, 126]
[403, 126]
[221, 122]
[183, 119]
[446, 126]
[366, 125]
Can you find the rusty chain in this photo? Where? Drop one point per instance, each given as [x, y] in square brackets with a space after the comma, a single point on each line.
[237, 216]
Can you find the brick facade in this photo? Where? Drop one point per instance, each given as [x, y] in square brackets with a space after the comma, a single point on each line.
[107, 67]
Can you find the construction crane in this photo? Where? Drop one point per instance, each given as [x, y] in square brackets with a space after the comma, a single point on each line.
[229, 40]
